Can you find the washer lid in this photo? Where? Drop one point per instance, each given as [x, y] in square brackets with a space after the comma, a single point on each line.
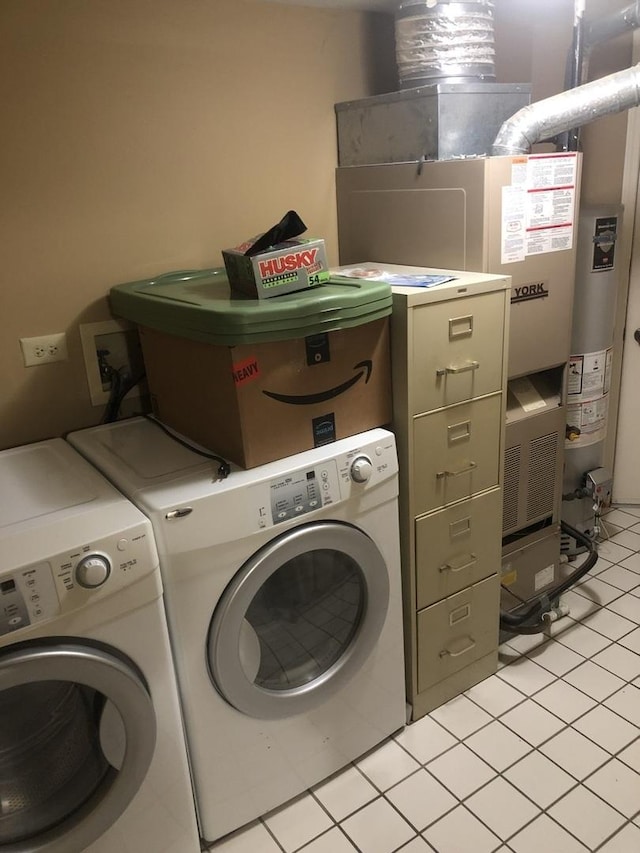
[40, 479]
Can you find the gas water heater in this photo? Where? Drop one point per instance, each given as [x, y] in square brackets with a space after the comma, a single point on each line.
[587, 483]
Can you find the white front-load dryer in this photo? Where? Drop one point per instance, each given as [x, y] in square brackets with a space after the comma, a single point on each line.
[92, 751]
[283, 593]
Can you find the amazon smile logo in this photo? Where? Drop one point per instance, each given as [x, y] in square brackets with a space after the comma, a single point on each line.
[364, 367]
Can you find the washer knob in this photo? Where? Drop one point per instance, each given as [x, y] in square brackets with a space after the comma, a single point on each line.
[92, 571]
[361, 469]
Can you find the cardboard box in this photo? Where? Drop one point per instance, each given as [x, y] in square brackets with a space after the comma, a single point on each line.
[253, 403]
[293, 265]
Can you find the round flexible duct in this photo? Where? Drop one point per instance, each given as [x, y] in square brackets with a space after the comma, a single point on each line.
[574, 108]
[440, 41]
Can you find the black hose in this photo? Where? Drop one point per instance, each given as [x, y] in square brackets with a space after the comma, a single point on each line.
[121, 384]
[517, 623]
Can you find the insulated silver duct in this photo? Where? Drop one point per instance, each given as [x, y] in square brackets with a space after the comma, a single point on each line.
[586, 34]
[444, 41]
[571, 109]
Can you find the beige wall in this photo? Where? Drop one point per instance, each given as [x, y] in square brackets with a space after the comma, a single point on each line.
[604, 141]
[140, 137]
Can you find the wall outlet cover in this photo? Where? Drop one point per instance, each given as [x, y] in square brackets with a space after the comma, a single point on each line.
[119, 339]
[43, 349]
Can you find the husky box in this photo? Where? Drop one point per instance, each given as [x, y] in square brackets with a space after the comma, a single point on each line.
[284, 268]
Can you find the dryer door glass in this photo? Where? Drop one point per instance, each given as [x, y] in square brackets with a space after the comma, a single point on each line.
[304, 616]
[77, 734]
[299, 619]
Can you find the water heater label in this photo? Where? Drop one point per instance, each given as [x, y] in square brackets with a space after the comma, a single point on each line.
[604, 243]
[589, 375]
[587, 422]
[589, 380]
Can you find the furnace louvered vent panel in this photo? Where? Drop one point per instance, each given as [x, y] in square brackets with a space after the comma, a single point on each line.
[511, 488]
[542, 476]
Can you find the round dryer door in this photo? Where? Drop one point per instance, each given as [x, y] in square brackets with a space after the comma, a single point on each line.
[77, 735]
[299, 620]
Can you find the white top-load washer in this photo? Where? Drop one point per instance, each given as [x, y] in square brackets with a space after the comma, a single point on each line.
[283, 593]
[92, 750]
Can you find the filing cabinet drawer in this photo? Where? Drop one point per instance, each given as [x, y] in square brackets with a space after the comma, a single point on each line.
[457, 546]
[456, 452]
[454, 633]
[457, 351]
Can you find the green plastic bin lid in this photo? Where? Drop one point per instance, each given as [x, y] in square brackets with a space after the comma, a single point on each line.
[198, 304]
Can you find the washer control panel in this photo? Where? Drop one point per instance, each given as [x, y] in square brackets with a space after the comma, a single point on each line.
[361, 469]
[27, 596]
[68, 581]
[92, 571]
[304, 491]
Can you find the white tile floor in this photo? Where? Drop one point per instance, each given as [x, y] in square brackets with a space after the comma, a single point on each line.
[544, 755]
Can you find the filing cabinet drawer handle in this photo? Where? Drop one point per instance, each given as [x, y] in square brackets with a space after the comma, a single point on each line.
[461, 368]
[449, 567]
[461, 327]
[470, 467]
[463, 651]
[460, 527]
[459, 432]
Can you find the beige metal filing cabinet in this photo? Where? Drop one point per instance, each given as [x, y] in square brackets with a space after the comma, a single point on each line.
[449, 368]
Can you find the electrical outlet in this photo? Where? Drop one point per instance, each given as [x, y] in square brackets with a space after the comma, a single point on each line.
[110, 345]
[44, 349]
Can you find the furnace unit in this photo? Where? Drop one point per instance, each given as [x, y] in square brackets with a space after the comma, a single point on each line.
[511, 215]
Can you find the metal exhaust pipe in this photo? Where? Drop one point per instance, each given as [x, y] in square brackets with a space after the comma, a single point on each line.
[574, 108]
[610, 26]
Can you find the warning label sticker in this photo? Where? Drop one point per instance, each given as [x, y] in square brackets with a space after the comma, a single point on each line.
[587, 422]
[589, 380]
[538, 209]
[245, 371]
[589, 375]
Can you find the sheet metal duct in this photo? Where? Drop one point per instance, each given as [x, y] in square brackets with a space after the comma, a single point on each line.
[610, 26]
[546, 119]
[586, 34]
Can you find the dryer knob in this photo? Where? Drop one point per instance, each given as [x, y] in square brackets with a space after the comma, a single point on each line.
[361, 469]
[92, 571]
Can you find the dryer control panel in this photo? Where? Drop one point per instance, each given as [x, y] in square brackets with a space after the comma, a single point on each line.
[304, 491]
[362, 469]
